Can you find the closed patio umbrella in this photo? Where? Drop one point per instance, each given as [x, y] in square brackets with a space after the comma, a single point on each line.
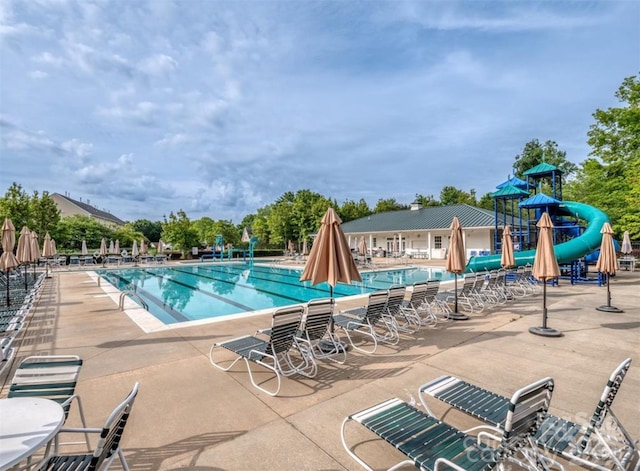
[143, 247]
[135, 252]
[116, 248]
[84, 250]
[305, 249]
[47, 248]
[330, 259]
[103, 247]
[456, 264]
[362, 248]
[291, 247]
[545, 268]
[35, 251]
[112, 247]
[607, 263]
[8, 260]
[23, 252]
[626, 247]
[160, 247]
[506, 259]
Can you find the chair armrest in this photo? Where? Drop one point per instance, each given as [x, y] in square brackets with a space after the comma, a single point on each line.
[79, 430]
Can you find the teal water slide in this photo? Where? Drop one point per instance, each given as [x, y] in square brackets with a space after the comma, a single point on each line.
[574, 249]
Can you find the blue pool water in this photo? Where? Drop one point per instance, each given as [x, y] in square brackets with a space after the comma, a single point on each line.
[193, 292]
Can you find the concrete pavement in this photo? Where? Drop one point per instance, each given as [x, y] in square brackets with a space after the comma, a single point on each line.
[189, 415]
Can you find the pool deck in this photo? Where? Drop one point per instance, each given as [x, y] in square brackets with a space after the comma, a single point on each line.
[191, 416]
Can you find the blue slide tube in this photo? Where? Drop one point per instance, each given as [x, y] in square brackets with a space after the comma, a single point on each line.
[574, 249]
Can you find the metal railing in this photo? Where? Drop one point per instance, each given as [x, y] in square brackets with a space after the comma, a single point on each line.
[133, 294]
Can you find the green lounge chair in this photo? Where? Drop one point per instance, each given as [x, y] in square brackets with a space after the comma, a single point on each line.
[431, 444]
[589, 445]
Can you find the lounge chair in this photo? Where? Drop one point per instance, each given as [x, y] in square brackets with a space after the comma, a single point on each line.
[274, 352]
[405, 320]
[53, 377]
[431, 444]
[417, 307]
[108, 446]
[371, 320]
[591, 444]
[317, 332]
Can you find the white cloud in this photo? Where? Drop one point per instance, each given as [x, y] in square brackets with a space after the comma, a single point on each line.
[158, 64]
[38, 75]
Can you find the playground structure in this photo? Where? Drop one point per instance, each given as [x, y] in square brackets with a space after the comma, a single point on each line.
[521, 203]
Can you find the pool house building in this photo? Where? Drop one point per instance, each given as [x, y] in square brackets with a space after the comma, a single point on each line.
[423, 232]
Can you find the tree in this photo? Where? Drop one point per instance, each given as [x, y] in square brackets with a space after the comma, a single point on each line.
[45, 215]
[609, 179]
[177, 230]
[350, 210]
[15, 204]
[427, 200]
[72, 230]
[486, 202]
[150, 230]
[452, 195]
[534, 154]
[389, 204]
[205, 227]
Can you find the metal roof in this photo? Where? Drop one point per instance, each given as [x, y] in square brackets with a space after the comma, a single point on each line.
[93, 210]
[515, 181]
[429, 218]
[538, 200]
[509, 190]
[542, 168]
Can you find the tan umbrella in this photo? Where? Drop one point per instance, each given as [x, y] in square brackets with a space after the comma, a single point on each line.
[305, 249]
[84, 250]
[607, 263]
[134, 250]
[8, 260]
[47, 248]
[330, 259]
[103, 247]
[23, 252]
[506, 259]
[456, 264]
[111, 247]
[116, 249]
[54, 249]
[292, 247]
[35, 251]
[362, 246]
[626, 247]
[161, 246]
[143, 247]
[545, 268]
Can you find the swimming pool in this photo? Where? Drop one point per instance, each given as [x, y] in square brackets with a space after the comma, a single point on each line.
[176, 294]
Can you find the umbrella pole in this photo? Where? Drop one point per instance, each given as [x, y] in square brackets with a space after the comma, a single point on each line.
[544, 330]
[609, 307]
[455, 315]
[8, 300]
[26, 283]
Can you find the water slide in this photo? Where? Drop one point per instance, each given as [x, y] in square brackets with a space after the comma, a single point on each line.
[574, 249]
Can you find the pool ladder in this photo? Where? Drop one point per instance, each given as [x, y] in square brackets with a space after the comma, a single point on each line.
[133, 294]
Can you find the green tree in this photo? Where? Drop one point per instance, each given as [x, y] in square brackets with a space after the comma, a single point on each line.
[72, 230]
[150, 230]
[427, 200]
[535, 153]
[486, 202]
[179, 232]
[388, 204]
[15, 204]
[205, 227]
[609, 179]
[452, 195]
[45, 215]
[350, 210]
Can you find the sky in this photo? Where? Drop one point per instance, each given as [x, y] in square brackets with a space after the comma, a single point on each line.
[218, 108]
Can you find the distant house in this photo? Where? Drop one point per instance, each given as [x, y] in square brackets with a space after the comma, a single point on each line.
[71, 207]
[423, 232]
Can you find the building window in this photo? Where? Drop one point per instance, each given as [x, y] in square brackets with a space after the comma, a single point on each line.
[437, 242]
[374, 242]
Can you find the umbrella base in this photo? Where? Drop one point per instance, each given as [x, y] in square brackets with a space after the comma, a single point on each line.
[329, 348]
[545, 331]
[456, 316]
[609, 309]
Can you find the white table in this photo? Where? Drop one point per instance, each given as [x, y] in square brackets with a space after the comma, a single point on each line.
[26, 425]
